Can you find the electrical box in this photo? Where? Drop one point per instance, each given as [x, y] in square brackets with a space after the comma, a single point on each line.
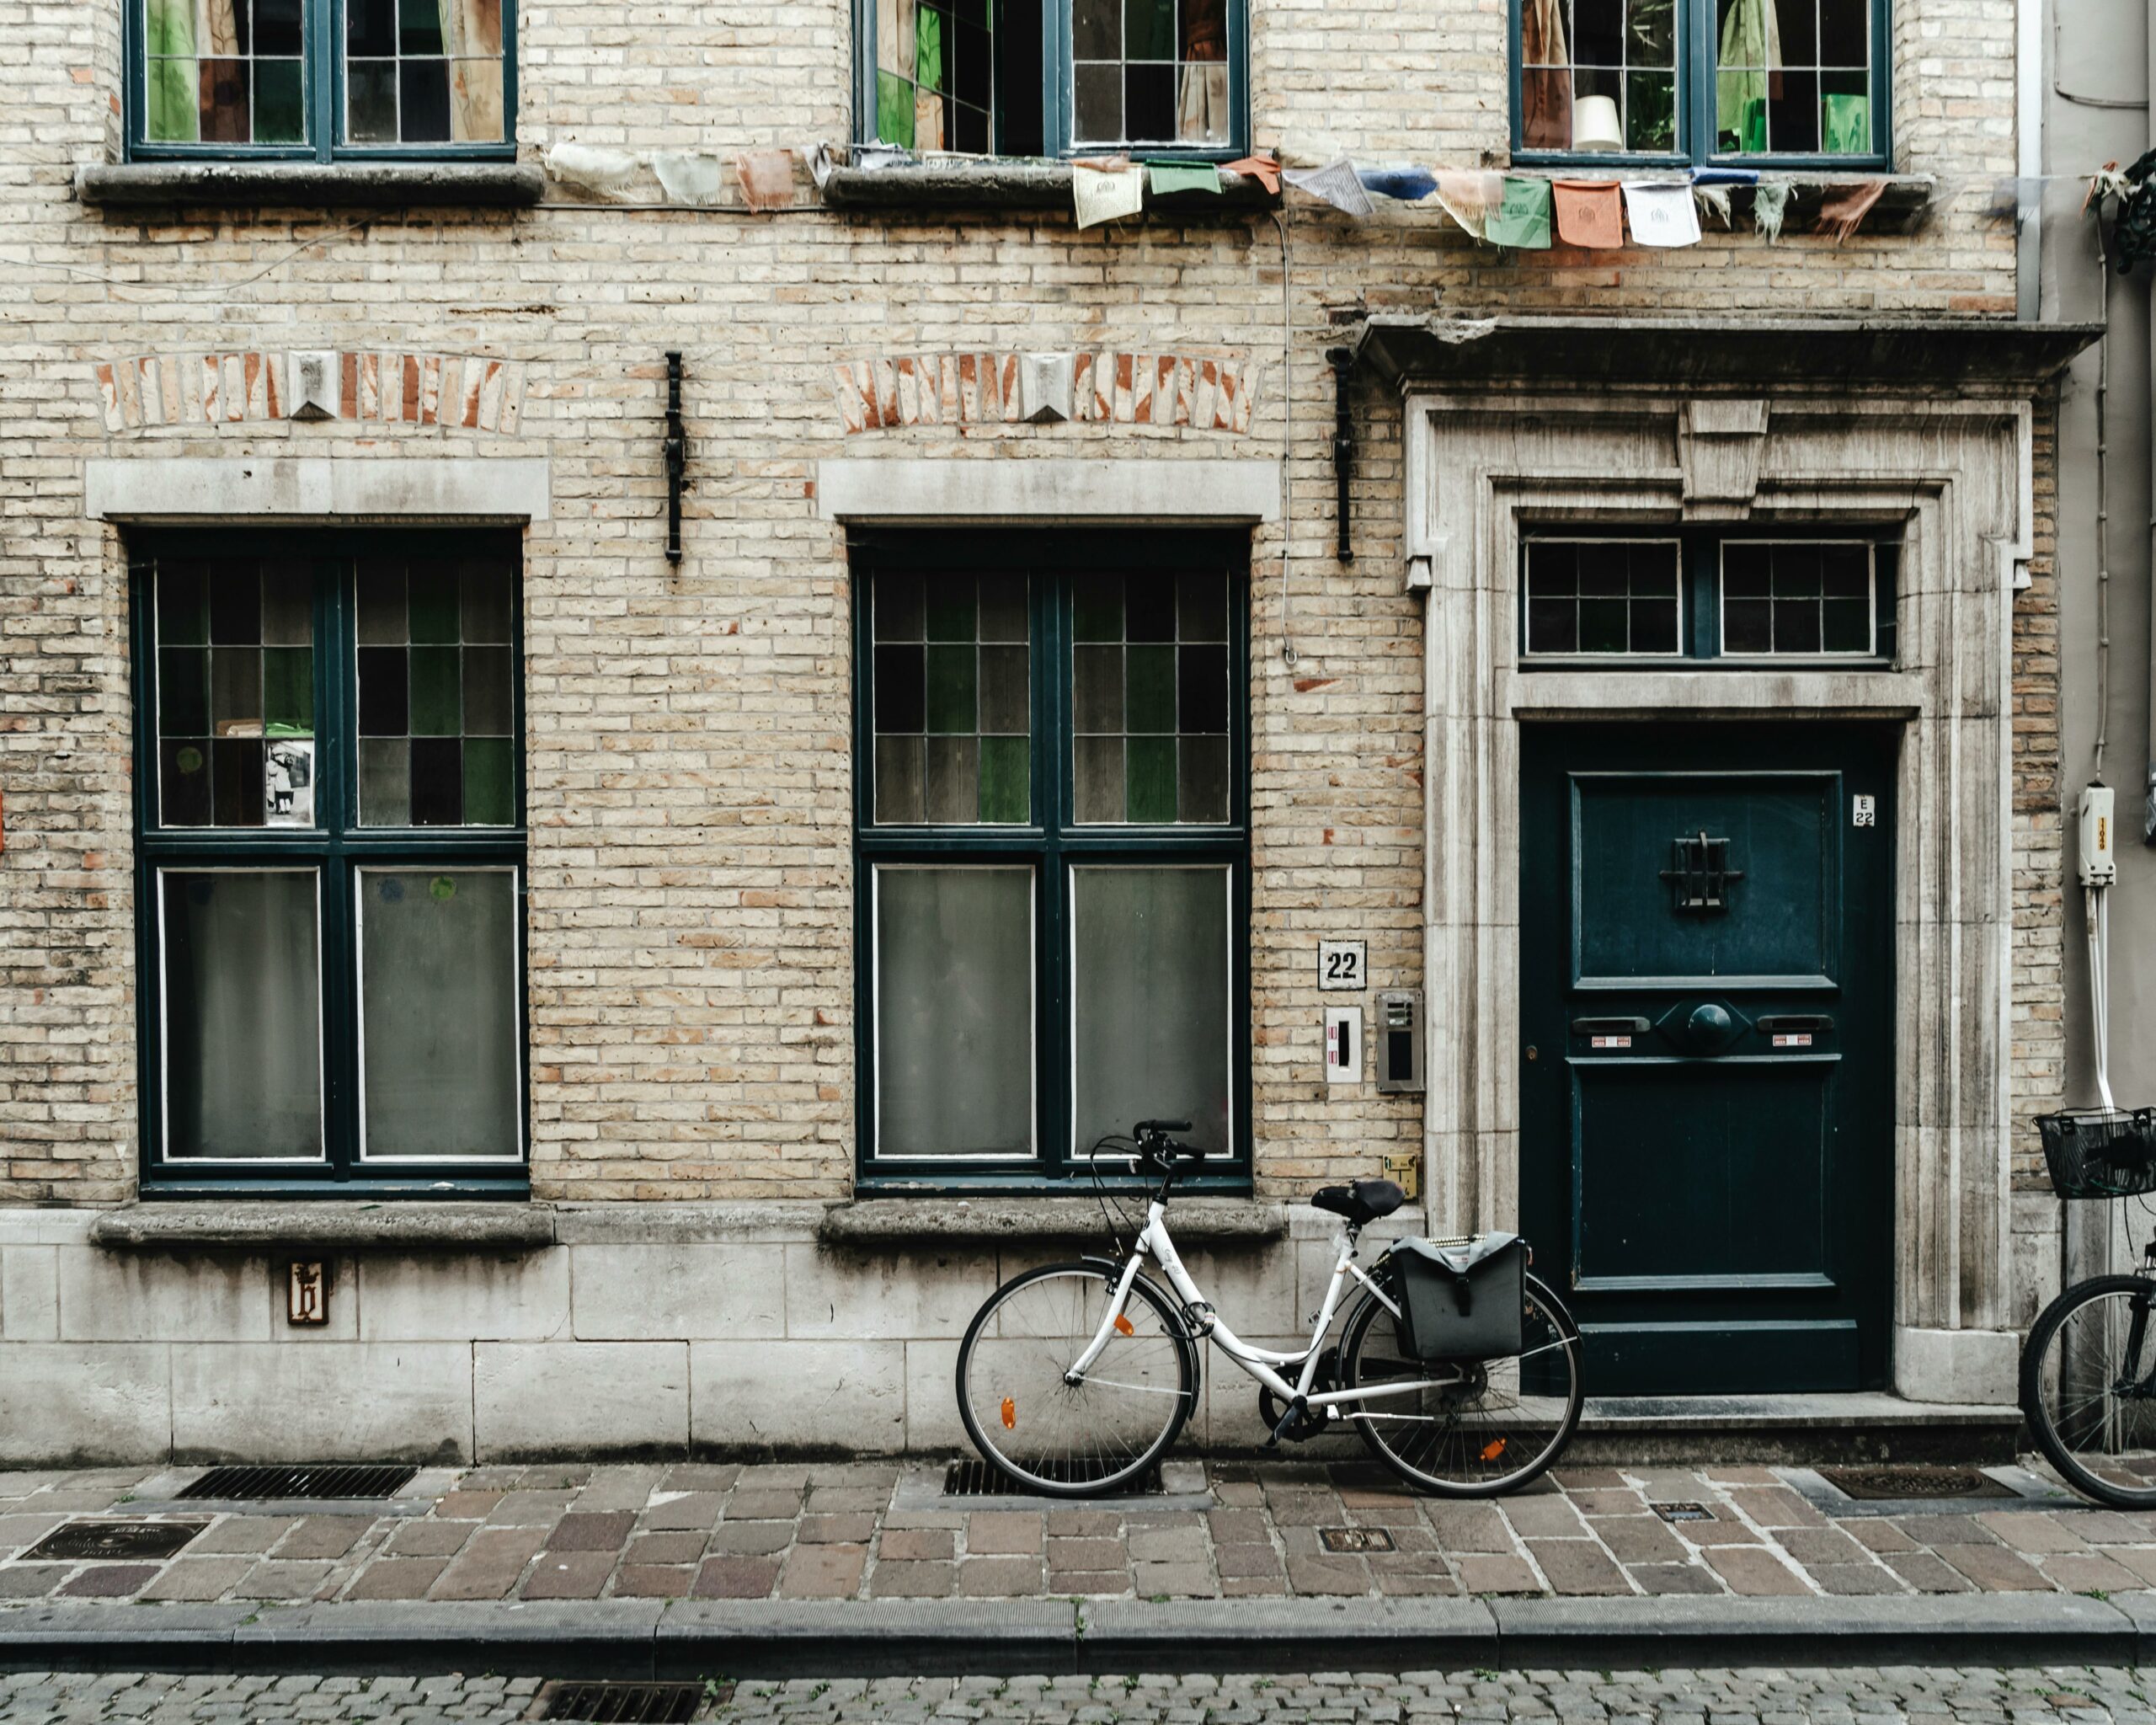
[1343, 1045]
[2098, 868]
[1399, 1040]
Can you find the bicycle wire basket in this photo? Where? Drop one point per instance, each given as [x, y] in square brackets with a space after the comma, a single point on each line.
[2100, 1152]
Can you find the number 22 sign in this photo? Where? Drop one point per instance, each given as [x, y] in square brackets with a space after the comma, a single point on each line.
[1342, 965]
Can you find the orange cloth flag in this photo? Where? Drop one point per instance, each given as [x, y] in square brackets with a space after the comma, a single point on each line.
[1262, 168]
[1842, 214]
[1590, 212]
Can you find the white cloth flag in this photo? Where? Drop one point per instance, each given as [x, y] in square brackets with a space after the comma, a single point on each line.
[1661, 213]
[1336, 182]
[1102, 197]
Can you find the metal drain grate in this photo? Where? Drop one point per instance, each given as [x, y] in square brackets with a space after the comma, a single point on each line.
[309, 1479]
[667, 1703]
[975, 1478]
[116, 1539]
[1682, 1512]
[1355, 1539]
[1912, 1481]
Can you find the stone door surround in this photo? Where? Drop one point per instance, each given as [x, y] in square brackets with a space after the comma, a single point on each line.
[1952, 475]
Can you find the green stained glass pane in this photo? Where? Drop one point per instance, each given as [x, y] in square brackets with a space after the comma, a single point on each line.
[168, 26]
[893, 111]
[1005, 779]
[928, 48]
[435, 704]
[288, 688]
[434, 609]
[952, 689]
[280, 112]
[1150, 780]
[1097, 765]
[489, 782]
[172, 114]
[1151, 680]
[1096, 610]
[953, 612]
[384, 782]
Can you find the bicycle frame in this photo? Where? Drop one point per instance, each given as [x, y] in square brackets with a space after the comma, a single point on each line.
[1263, 1363]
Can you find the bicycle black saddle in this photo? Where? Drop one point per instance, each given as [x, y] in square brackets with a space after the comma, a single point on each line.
[1360, 1201]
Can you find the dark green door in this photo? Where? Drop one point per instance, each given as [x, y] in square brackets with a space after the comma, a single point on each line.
[1706, 1068]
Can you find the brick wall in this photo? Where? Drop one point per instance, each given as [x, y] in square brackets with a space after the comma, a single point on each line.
[688, 757]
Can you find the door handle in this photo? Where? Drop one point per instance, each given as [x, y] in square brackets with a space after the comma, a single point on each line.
[1610, 1027]
[1794, 1021]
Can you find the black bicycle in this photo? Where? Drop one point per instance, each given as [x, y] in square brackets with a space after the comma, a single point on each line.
[2089, 1370]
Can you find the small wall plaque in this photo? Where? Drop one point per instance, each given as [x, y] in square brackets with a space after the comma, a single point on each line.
[307, 1292]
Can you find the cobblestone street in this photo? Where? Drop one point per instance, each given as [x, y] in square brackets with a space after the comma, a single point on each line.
[1877, 1697]
[1227, 1530]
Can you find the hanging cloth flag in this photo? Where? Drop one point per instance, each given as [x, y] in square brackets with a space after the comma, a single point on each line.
[1715, 199]
[1724, 176]
[1335, 182]
[1262, 168]
[1408, 184]
[765, 177]
[689, 177]
[1470, 199]
[1661, 212]
[1769, 204]
[1843, 213]
[1165, 177]
[1751, 51]
[1522, 217]
[1102, 196]
[1590, 212]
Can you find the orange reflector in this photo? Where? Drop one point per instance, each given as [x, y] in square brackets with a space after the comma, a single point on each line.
[1124, 1325]
[1491, 1452]
[1010, 1415]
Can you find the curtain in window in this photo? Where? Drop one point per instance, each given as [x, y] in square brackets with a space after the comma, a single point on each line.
[179, 35]
[1202, 101]
[1751, 45]
[909, 75]
[471, 38]
[1545, 98]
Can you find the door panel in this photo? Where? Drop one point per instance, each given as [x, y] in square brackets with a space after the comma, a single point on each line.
[1707, 1030]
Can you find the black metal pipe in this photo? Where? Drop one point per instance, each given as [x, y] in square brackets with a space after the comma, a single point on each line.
[1343, 448]
[677, 457]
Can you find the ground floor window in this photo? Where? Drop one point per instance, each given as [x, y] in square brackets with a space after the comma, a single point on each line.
[330, 856]
[1052, 834]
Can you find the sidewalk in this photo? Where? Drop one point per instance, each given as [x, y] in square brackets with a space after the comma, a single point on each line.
[1237, 1565]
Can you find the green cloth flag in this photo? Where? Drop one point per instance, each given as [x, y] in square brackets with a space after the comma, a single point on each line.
[1163, 177]
[1522, 217]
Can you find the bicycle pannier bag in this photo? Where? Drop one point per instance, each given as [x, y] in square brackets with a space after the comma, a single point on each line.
[1460, 1302]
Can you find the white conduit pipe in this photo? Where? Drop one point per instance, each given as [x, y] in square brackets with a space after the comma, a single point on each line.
[2097, 912]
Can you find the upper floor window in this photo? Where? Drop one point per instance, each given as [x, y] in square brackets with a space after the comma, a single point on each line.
[1030, 77]
[1727, 81]
[318, 79]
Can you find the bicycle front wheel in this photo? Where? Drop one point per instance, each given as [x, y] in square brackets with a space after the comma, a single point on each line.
[1466, 1429]
[2088, 1389]
[1064, 1438]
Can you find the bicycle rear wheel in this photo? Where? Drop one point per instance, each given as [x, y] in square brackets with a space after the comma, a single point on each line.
[1064, 1439]
[2088, 1389]
[1473, 1428]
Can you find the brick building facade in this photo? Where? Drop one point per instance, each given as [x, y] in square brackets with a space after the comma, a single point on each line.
[704, 1228]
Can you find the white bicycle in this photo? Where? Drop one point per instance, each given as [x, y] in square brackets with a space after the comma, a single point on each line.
[1073, 1379]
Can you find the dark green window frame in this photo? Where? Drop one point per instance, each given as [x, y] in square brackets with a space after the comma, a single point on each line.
[1696, 51]
[1699, 597]
[1035, 101]
[1057, 561]
[336, 848]
[323, 86]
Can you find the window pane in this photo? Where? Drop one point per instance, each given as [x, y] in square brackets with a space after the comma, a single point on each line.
[423, 72]
[223, 71]
[1801, 597]
[954, 1011]
[1793, 76]
[1150, 1032]
[1623, 51]
[242, 1016]
[441, 1019]
[1601, 597]
[935, 75]
[436, 674]
[1149, 70]
[953, 713]
[1161, 671]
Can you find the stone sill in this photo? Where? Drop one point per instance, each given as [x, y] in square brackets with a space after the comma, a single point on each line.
[1646, 694]
[898, 1223]
[330, 1226]
[993, 187]
[374, 185]
[1901, 208]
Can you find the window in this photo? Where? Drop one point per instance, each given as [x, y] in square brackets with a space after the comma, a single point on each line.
[1030, 77]
[1052, 847]
[330, 861]
[1700, 80]
[1705, 593]
[319, 79]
